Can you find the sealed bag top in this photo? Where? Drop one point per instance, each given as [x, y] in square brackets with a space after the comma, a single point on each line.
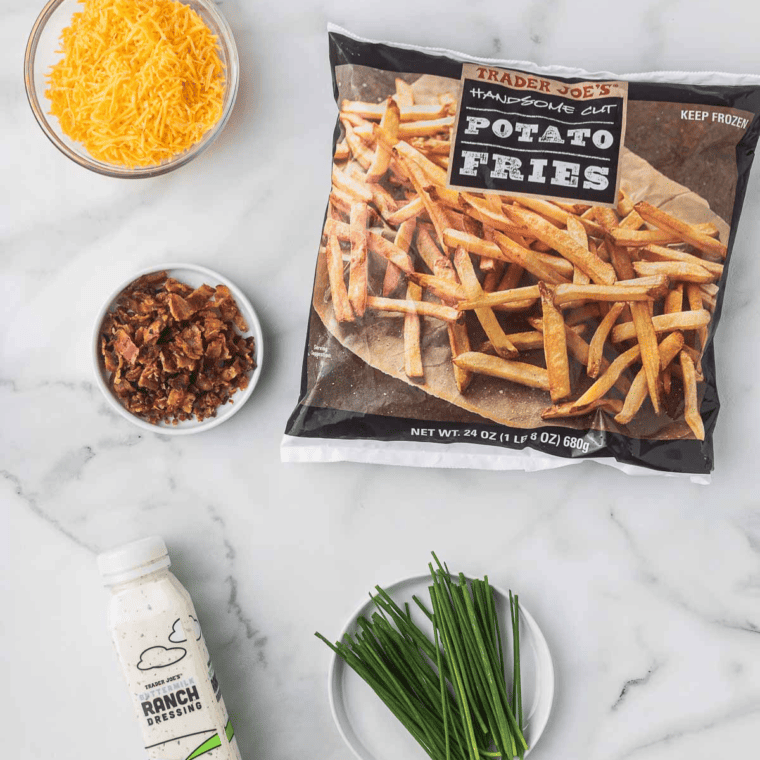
[521, 265]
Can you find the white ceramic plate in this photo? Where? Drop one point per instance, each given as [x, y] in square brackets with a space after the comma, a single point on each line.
[371, 730]
[195, 276]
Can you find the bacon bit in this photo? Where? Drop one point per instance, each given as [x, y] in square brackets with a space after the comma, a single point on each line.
[180, 308]
[125, 347]
[174, 353]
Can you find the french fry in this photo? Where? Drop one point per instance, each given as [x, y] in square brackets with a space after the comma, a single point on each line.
[383, 201]
[423, 308]
[433, 172]
[478, 209]
[694, 296]
[562, 266]
[641, 317]
[342, 151]
[673, 303]
[353, 119]
[404, 94]
[364, 130]
[576, 209]
[448, 290]
[577, 232]
[579, 350]
[582, 314]
[632, 221]
[501, 297]
[709, 295]
[596, 346]
[411, 210]
[668, 350]
[556, 214]
[607, 380]
[389, 124]
[357, 277]
[684, 320]
[696, 357]
[340, 229]
[459, 341]
[349, 185]
[555, 346]
[516, 372]
[412, 353]
[359, 151]
[494, 275]
[606, 219]
[375, 111]
[341, 305]
[512, 276]
[516, 254]
[569, 409]
[446, 197]
[485, 264]
[485, 316]
[422, 128]
[472, 244]
[533, 340]
[442, 268]
[647, 337]
[624, 204]
[691, 410]
[688, 232]
[382, 247]
[676, 270]
[598, 270]
[660, 253]
[636, 238]
[437, 262]
[643, 289]
[342, 200]
[448, 101]
[403, 242]
[431, 145]
[435, 212]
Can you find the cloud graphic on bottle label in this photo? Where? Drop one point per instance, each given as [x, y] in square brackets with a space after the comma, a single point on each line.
[160, 657]
[177, 636]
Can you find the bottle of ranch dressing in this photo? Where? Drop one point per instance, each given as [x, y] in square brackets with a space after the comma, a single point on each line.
[164, 658]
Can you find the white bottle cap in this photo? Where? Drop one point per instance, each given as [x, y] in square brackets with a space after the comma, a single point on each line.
[125, 563]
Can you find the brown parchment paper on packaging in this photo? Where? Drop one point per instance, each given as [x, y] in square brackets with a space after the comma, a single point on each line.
[377, 339]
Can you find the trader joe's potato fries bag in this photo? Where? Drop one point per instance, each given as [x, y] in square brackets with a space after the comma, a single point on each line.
[521, 267]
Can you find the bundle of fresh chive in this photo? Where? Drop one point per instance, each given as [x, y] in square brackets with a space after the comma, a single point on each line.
[451, 692]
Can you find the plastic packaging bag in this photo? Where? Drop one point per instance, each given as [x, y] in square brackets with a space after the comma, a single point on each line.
[521, 267]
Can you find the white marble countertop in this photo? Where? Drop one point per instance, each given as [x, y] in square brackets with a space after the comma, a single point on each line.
[648, 589]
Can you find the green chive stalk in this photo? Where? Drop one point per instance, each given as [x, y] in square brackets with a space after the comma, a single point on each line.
[449, 691]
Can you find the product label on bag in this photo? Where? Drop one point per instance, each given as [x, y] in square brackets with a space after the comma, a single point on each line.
[524, 134]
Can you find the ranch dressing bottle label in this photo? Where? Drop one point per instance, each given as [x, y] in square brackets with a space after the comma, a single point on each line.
[163, 655]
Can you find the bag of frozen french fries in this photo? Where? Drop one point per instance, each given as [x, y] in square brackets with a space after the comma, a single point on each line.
[521, 267]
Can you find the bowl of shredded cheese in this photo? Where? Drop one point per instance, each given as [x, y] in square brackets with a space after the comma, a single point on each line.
[131, 88]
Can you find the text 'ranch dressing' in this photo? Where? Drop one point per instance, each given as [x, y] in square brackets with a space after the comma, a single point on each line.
[164, 657]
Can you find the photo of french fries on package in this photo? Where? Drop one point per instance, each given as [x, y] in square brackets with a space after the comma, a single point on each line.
[502, 247]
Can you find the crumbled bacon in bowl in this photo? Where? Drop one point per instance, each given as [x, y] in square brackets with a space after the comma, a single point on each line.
[174, 353]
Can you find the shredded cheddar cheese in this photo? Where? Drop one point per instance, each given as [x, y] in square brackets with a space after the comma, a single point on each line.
[139, 82]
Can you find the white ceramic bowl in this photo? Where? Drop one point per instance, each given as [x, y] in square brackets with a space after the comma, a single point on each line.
[195, 276]
[369, 728]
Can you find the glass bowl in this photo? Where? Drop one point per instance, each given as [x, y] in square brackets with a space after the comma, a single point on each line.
[41, 54]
